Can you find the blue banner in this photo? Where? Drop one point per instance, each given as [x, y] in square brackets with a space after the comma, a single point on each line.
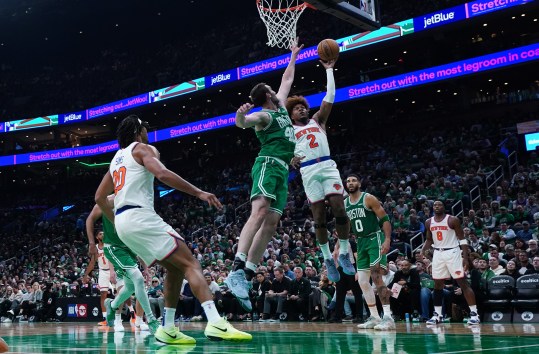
[118, 106]
[439, 18]
[481, 7]
[72, 117]
[221, 78]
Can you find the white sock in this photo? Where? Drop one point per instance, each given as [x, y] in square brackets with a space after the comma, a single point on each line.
[251, 266]
[325, 250]
[105, 314]
[168, 318]
[387, 310]
[473, 308]
[374, 311]
[118, 317]
[344, 246]
[241, 256]
[131, 308]
[438, 310]
[211, 311]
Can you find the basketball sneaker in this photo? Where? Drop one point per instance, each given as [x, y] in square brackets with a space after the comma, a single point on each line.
[118, 326]
[110, 312]
[246, 304]
[435, 319]
[370, 323]
[387, 324]
[333, 273]
[238, 285]
[173, 336]
[347, 266]
[102, 323]
[222, 330]
[474, 319]
[142, 326]
[153, 325]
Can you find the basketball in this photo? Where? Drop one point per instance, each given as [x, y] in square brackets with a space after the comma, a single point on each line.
[328, 50]
[3, 346]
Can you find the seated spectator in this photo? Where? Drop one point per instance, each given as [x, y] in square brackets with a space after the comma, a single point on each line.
[260, 287]
[494, 267]
[298, 296]
[276, 296]
[489, 221]
[507, 234]
[504, 217]
[535, 269]
[511, 270]
[408, 299]
[532, 250]
[523, 263]
[526, 234]
[156, 297]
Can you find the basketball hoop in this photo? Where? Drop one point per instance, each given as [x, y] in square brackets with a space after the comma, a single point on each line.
[281, 19]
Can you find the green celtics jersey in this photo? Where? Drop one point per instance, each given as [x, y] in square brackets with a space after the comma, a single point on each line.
[277, 138]
[363, 220]
[109, 233]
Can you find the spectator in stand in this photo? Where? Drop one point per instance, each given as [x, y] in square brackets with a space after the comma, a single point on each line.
[489, 221]
[532, 250]
[261, 286]
[520, 245]
[276, 296]
[511, 270]
[494, 268]
[408, 299]
[525, 233]
[298, 296]
[535, 269]
[504, 217]
[523, 263]
[157, 299]
[509, 253]
[507, 234]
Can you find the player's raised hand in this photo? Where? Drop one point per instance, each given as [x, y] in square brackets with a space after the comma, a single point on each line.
[211, 199]
[245, 108]
[328, 64]
[294, 48]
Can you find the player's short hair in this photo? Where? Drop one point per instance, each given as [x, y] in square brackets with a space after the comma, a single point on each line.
[129, 128]
[258, 94]
[291, 102]
[353, 175]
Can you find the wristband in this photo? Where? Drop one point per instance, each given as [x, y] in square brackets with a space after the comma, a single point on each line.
[463, 242]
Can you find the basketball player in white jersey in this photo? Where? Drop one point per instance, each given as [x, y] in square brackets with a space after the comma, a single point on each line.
[321, 178]
[450, 259]
[131, 177]
[104, 273]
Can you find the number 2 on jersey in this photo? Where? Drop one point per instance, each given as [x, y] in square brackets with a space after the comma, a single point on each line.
[312, 141]
[439, 235]
[118, 177]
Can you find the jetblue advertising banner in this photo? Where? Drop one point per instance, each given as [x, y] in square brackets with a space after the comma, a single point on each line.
[420, 77]
[118, 106]
[439, 18]
[71, 117]
[221, 78]
[481, 7]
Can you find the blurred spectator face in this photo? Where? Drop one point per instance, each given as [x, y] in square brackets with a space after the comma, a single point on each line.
[309, 271]
[494, 254]
[536, 262]
[482, 264]
[298, 272]
[466, 232]
[511, 265]
[523, 258]
[208, 278]
[406, 266]
[260, 278]
[493, 263]
[519, 244]
[278, 275]
[475, 263]
[486, 212]
[532, 244]
[419, 266]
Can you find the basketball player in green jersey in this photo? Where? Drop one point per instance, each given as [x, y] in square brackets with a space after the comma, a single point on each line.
[274, 130]
[366, 215]
[126, 268]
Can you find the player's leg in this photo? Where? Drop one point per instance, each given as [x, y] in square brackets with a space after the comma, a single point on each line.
[143, 302]
[125, 290]
[440, 272]
[333, 191]
[364, 276]
[181, 263]
[457, 272]
[103, 283]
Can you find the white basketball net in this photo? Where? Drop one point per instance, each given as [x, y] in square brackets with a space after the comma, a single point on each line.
[280, 20]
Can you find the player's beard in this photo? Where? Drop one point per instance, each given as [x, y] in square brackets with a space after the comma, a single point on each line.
[304, 120]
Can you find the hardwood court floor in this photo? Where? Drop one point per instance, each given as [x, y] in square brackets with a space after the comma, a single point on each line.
[281, 338]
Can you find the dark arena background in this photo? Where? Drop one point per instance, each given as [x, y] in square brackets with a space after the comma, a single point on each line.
[438, 103]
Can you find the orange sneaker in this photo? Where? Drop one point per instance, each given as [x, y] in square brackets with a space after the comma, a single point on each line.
[102, 323]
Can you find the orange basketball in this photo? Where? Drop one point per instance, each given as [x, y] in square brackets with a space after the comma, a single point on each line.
[3, 346]
[328, 49]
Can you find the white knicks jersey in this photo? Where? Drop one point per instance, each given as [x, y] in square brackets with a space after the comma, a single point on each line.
[311, 141]
[442, 235]
[133, 183]
[101, 260]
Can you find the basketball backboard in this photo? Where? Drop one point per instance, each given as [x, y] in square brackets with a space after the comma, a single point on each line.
[364, 14]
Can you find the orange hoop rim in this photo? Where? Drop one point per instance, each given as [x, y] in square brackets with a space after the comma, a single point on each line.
[286, 9]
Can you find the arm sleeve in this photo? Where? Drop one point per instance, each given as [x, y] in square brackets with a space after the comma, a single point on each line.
[330, 94]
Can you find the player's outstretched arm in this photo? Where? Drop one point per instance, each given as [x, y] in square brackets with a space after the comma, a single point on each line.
[150, 159]
[95, 214]
[327, 103]
[288, 76]
[245, 120]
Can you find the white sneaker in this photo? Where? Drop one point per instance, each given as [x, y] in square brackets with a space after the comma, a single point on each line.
[436, 318]
[370, 323]
[118, 326]
[387, 324]
[142, 326]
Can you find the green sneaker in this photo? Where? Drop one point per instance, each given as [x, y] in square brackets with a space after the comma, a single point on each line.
[153, 325]
[173, 336]
[222, 330]
[110, 312]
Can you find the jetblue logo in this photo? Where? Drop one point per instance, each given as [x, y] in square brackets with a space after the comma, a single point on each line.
[438, 18]
[72, 117]
[220, 78]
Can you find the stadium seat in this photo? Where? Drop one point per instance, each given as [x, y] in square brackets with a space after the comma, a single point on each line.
[498, 304]
[526, 302]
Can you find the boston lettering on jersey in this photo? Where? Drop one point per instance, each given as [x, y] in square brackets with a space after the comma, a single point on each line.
[307, 131]
[356, 213]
